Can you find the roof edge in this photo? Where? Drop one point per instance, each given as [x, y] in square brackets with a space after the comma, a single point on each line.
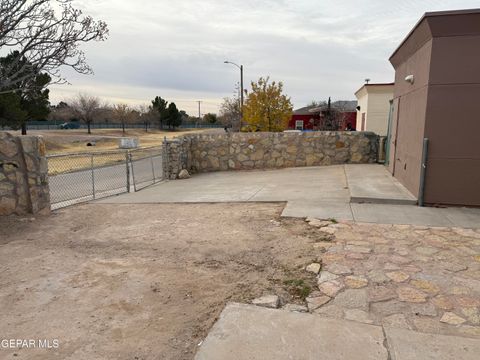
[433, 14]
[374, 84]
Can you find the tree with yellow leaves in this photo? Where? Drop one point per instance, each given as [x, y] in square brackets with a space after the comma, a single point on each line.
[266, 108]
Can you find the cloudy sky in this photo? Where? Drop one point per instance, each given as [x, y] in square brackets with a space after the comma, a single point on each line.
[175, 49]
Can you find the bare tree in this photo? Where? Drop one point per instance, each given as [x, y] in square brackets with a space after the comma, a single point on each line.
[86, 108]
[230, 113]
[47, 33]
[148, 114]
[61, 112]
[123, 114]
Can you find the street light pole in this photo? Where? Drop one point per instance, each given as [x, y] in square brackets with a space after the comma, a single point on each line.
[241, 90]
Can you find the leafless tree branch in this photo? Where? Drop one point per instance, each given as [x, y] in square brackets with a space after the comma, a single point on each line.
[48, 34]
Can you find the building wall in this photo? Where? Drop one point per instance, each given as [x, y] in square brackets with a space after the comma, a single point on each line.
[378, 109]
[408, 123]
[23, 175]
[307, 124]
[443, 53]
[362, 101]
[453, 123]
[374, 102]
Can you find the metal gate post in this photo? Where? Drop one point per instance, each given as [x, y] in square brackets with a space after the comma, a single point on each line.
[133, 172]
[128, 171]
[93, 176]
[153, 168]
[165, 160]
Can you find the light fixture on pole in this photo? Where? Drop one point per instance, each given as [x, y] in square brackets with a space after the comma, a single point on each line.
[241, 90]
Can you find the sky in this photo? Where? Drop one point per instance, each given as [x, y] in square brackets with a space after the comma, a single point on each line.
[176, 49]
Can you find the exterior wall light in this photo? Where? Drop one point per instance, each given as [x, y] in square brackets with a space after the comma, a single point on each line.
[409, 79]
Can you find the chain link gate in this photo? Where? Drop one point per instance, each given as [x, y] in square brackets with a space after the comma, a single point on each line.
[80, 177]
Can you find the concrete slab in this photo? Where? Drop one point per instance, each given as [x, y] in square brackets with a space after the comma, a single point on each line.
[410, 345]
[248, 332]
[374, 184]
[337, 210]
[293, 184]
[400, 214]
[320, 192]
[462, 217]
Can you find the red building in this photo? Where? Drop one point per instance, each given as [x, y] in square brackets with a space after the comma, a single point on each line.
[313, 118]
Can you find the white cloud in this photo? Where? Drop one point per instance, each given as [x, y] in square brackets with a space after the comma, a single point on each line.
[176, 49]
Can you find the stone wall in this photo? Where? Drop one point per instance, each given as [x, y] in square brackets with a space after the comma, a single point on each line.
[23, 175]
[177, 156]
[244, 151]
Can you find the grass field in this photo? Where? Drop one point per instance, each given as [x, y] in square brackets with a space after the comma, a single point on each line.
[75, 141]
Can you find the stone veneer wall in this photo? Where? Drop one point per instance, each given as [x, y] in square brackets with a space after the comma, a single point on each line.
[23, 175]
[243, 151]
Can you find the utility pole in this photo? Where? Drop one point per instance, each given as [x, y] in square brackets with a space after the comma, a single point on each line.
[241, 89]
[199, 113]
[241, 97]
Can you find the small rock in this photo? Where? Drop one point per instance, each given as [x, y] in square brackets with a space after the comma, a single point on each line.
[183, 174]
[317, 222]
[459, 290]
[472, 314]
[466, 301]
[326, 276]
[331, 288]
[295, 308]
[452, 319]
[329, 230]
[339, 269]
[331, 257]
[356, 282]
[352, 299]
[425, 285]
[314, 303]
[409, 294]
[402, 252]
[380, 293]
[378, 277]
[398, 276]
[269, 301]
[391, 267]
[397, 321]
[313, 268]
[424, 309]
[358, 315]
[443, 303]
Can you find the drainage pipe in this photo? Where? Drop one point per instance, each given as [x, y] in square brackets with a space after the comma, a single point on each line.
[423, 170]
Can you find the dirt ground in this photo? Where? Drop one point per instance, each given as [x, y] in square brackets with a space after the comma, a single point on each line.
[67, 141]
[143, 281]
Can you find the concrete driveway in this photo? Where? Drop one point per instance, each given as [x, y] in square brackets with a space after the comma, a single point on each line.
[361, 193]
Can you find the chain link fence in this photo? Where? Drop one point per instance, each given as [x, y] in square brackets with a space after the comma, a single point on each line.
[80, 177]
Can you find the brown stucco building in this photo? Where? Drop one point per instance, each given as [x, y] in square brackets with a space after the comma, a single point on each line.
[437, 96]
